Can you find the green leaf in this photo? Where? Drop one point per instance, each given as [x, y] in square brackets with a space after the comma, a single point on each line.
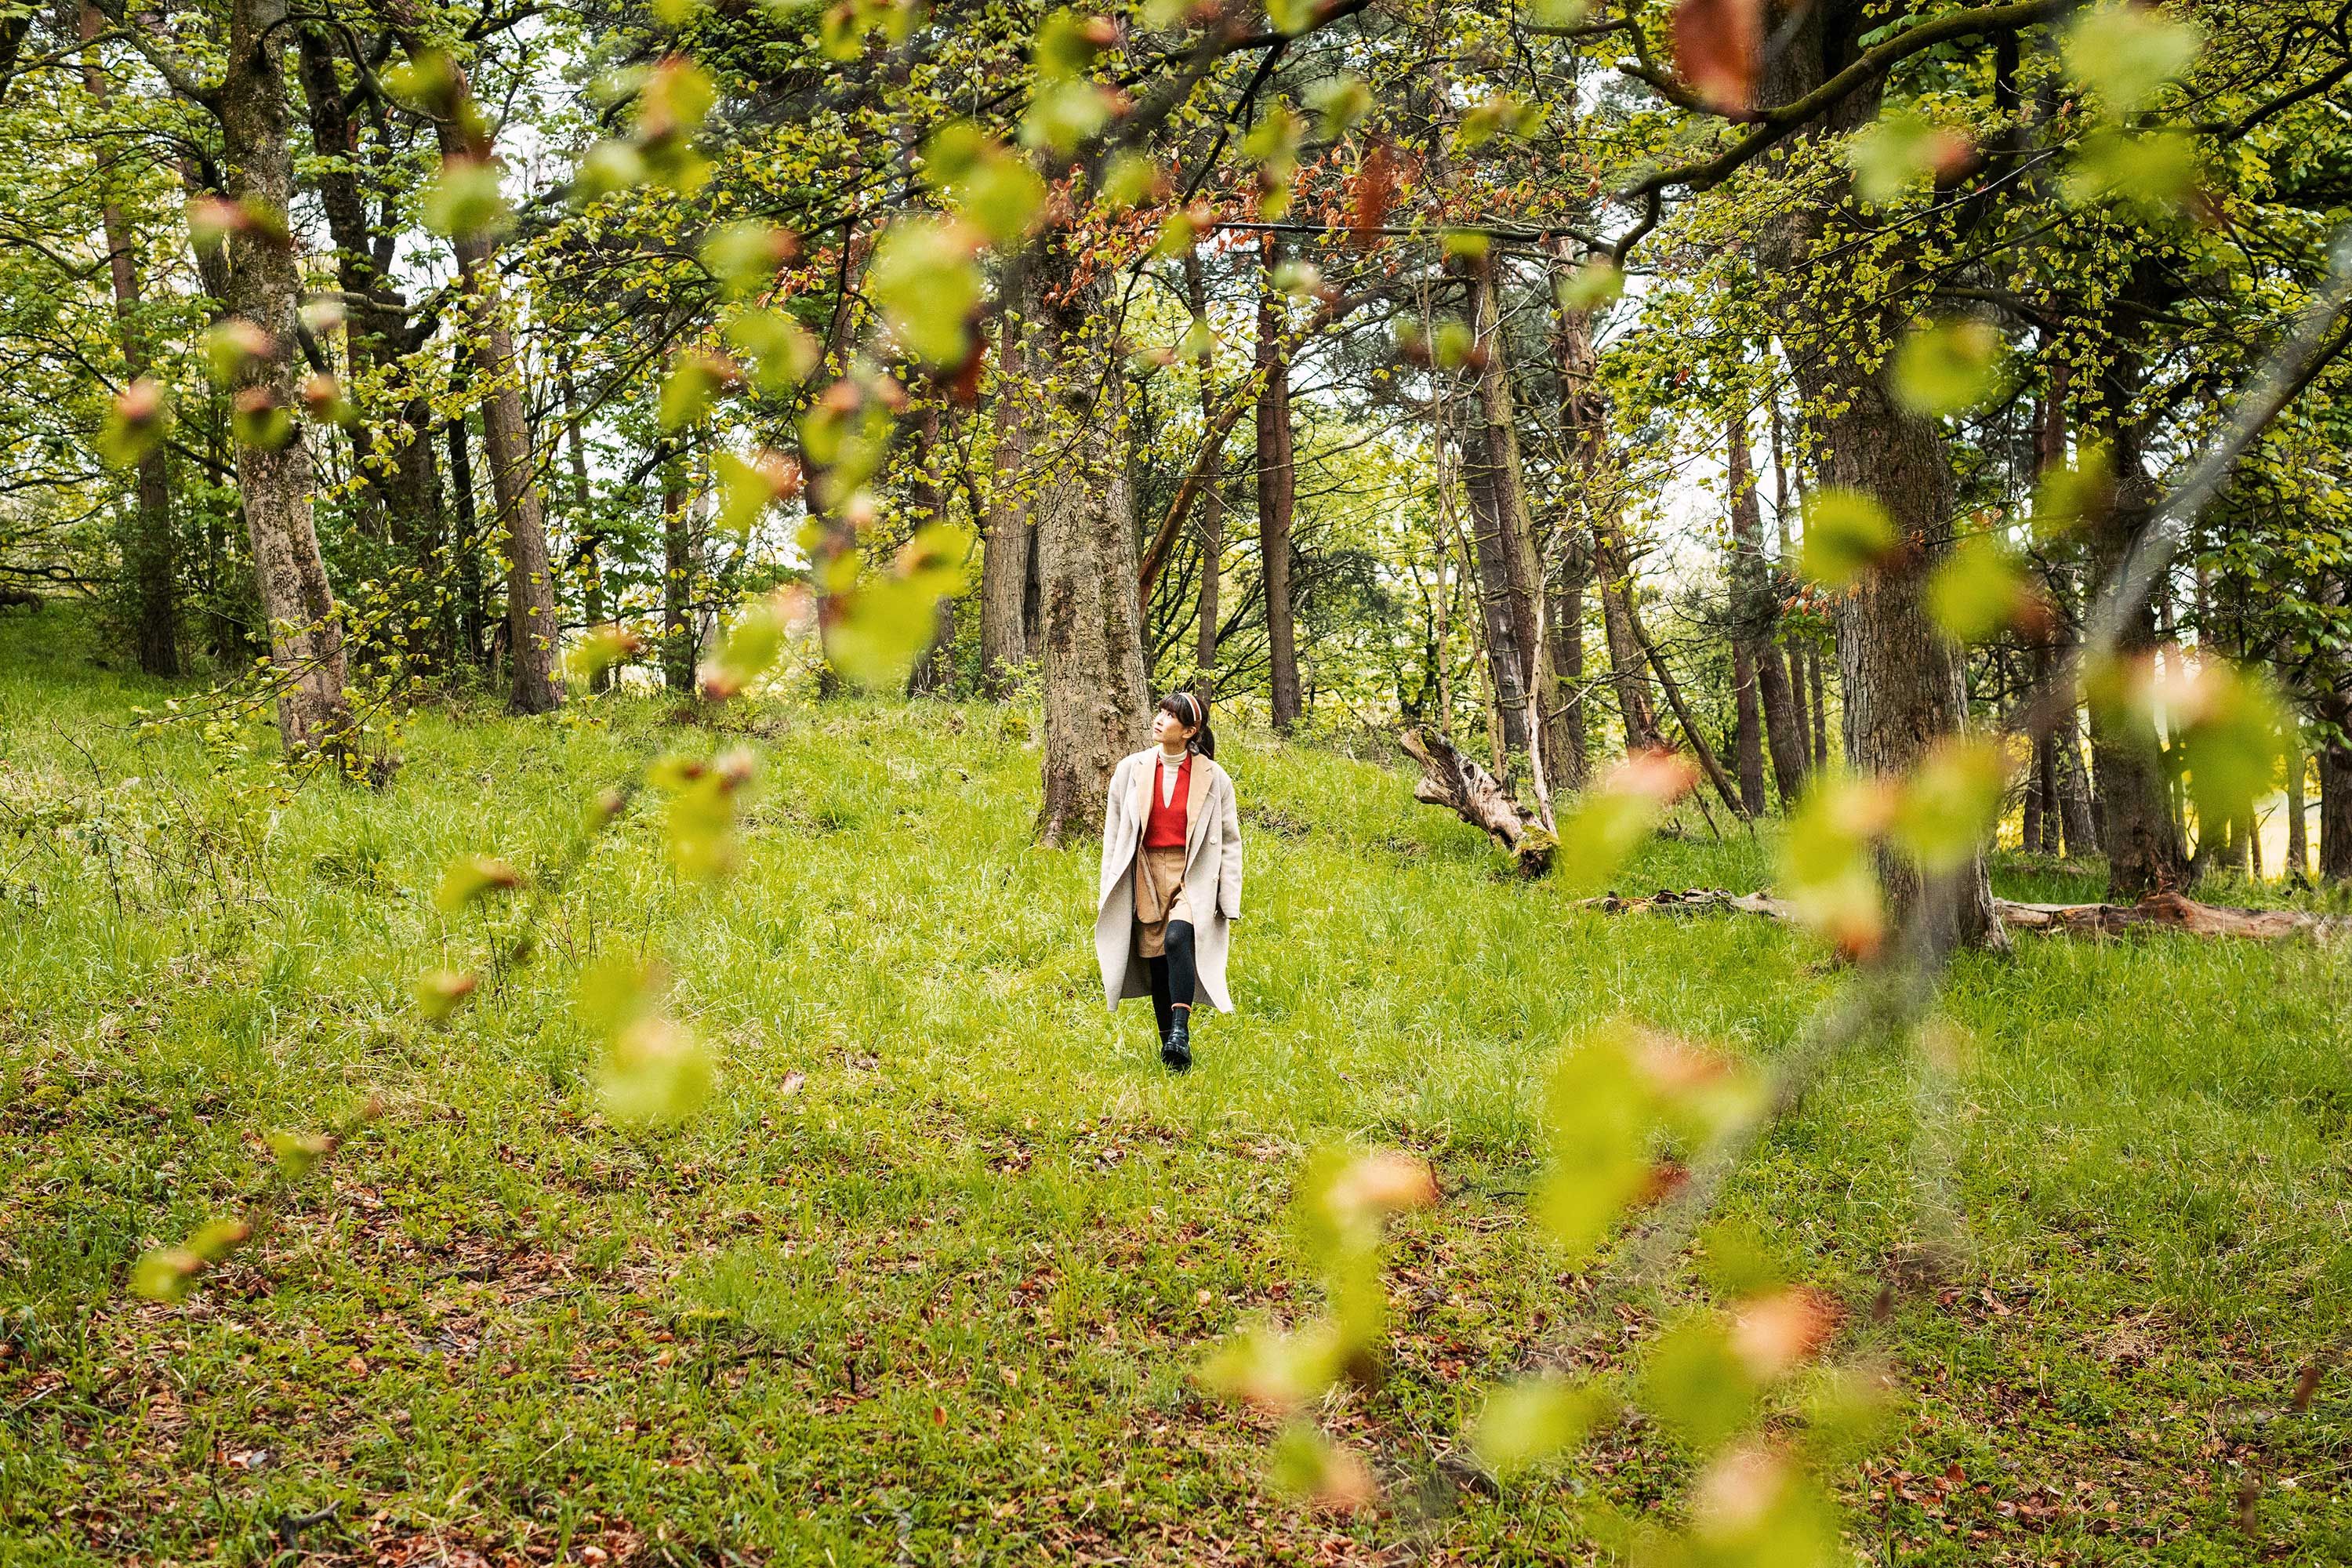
[1067, 42]
[1063, 114]
[1525, 1423]
[1276, 1371]
[1464, 244]
[927, 282]
[606, 167]
[1306, 1463]
[465, 201]
[440, 993]
[1128, 178]
[782, 352]
[232, 345]
[887, 620]
[1596, 283]
[1557, 13]
[1002, 197]
[1734, 1259]
[1292, 17]
[1342, 100]
[1846, 534]
[257, 419]
[1597, 1125]
[165, 1273]
[2126, 54]
[299, 1154]
[1946, 368]
[696, 376]
[216, 1238]
[472, 877]
[135, 424]
[744, 256]
[2069, 496]
[1695, 1383]
[618, 991]
[1826, 863]
[1945, 811]
[2230, 725]
[656, 1072]
[750, 649]
[1979, 592]
[748, 486]
[1898, 152]
[1618, 816]
[2152, 173]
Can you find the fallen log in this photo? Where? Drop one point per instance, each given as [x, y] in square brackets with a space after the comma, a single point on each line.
[2157, 911]
[1452, 780]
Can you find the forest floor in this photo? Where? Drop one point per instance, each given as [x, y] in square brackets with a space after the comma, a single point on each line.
[928, 1279]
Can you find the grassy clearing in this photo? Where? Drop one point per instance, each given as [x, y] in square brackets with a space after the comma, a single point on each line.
[925, 1281]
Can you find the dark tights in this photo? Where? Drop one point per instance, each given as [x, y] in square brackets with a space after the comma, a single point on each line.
[1171, 977]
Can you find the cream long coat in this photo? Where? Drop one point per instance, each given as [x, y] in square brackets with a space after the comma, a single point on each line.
[1213, 875]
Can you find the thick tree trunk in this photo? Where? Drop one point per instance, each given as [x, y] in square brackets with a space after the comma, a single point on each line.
[1748, 729]
[1277, 494]
[2335, 756]
[1903, 686]
[1497, 443]
[1005, 560]
[1490, 552]
[1098, 706]
[148, 548]
[305, 630]
[472, 606]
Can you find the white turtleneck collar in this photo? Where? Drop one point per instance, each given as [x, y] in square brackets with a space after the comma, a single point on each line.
[1169, 764]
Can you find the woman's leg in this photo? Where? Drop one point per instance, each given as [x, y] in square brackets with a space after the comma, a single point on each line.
[1162, 1005]
[1177, 1050]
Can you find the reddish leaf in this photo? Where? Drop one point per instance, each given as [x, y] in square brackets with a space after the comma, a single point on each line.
[1718, 47]
[1373, 193]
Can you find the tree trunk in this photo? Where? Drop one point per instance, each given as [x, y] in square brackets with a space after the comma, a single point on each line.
[472, 606]
[583, 500]
[2335, 756]
[534, 624]
[1508, 717]
[1498, 443]
[1452, 780]
[1756, 616]
[678, 645]
[1004, 559]
[1820, 708]
[1626, 672]
[934, 673]
[147, 544]
[1277, 494]
[1748, 729]
[1211, 526]
[1903, 684]
[1098, 706]
[305, 630]
[2298, 841]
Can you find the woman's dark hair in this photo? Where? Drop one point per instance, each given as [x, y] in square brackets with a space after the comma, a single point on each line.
[1193, 713]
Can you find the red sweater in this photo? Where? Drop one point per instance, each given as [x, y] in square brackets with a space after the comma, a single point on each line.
[1164, 828]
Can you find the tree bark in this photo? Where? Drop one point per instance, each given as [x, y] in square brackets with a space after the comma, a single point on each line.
[1904, 683]
[1097, 705]
[583, 500]
[306, 629]
[1005, 560]
[148, 547]
[677, 646]
[1612, 568]
[534, 624]
[1757, 618]
[2335, 756]
[1498, 443]
[1277, 494]
[1452, 780]
[1490, 551]
[2298, 840]
[1211, 526]
[934, 673]
[1821, 710]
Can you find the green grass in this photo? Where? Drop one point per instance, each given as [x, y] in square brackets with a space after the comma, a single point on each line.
[927, 1279]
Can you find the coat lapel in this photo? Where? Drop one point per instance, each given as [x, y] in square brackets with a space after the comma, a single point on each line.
[1145, 768]
[1194, 818]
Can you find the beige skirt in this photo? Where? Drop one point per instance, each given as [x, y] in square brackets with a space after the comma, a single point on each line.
[1159, 896]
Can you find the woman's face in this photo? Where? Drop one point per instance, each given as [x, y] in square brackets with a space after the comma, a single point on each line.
[1169, 730]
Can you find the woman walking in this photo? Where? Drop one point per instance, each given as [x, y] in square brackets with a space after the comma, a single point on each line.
[1172, 875]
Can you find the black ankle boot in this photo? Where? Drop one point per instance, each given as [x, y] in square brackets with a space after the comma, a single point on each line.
[1176, 1047]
